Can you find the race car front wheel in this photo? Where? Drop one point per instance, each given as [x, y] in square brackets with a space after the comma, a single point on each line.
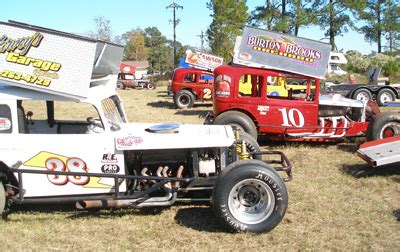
[250, 197]
[184, 99]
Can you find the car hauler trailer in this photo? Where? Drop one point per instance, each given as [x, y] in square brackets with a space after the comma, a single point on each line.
[80, 147]
[383, 151]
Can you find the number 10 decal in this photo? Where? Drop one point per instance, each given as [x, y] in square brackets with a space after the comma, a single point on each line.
[289, 117]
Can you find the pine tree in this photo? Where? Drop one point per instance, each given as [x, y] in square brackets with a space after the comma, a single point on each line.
[335, 16]
[381, 18]
[229, 18]
[284, 16]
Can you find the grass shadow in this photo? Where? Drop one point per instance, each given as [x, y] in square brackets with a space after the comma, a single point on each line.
[89, 213]
[396, 214]
[112, 212]
[163, 94]
[265, 141]
[162, 104]
[364, 171]
[199, 113]
[200, 219]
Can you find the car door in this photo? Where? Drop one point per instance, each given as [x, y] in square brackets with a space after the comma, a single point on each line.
[292, 112]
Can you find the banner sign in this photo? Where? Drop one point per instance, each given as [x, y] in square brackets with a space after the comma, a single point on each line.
[272, 50]
[203, 60]
[52, 61]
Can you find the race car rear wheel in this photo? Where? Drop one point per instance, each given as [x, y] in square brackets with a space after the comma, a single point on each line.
[250, 197]
[184, 99]
[151, 86]
[362, 95]
[385, 95]
[383, 125]
[239, 120]
[120, 85]
[2, 199]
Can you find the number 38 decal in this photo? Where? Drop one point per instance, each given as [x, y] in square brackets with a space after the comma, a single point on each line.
[71, 165]
[289, 118]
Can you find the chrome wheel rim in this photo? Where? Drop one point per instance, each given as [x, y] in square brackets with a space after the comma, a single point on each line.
[184, 100]
[251, 201]
[362, 96]
[386, 97]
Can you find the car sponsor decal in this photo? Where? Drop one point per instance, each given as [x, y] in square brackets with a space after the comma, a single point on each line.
[128, 141]
[5, 124]
[263, 109]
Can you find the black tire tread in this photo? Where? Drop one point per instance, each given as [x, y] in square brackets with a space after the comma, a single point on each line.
[241, 170]
[240, 118]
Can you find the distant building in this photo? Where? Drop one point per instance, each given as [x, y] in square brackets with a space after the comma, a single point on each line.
[139, 66]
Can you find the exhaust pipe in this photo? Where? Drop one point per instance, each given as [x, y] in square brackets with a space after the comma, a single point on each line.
[167, 200]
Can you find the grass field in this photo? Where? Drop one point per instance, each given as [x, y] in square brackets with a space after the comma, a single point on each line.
[335, 203]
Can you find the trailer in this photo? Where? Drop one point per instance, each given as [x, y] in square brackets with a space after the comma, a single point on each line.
[381, 152]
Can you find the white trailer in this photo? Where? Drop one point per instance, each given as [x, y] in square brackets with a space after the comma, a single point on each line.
[381, 152]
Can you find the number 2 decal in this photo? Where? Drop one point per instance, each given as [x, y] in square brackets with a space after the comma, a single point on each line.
[207, 93]
[289, 117]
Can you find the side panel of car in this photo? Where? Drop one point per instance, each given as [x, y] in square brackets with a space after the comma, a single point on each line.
[87, 153]
[280, 114]
[199, 82]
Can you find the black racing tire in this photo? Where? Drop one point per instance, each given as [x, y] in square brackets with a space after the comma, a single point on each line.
[2, 199]
[383, 125]
[239, 120]
[362, 94]
[251, 144]
[184, 99]
[151, 86]
[385, 95]
[249, 196]
[120, 85]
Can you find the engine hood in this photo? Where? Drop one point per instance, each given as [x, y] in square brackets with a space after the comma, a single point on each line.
[339, 100]
[147, 136]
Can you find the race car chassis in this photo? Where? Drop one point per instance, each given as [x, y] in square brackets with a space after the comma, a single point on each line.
[139, 199]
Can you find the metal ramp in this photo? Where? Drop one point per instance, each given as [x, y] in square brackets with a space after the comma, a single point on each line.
[381, 152]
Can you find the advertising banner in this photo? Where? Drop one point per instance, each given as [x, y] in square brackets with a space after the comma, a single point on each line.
[272, 50]
[52, 61]
[203, 60]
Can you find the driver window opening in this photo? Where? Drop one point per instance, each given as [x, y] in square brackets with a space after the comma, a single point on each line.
[191, 77]
[291, 88]
[250, 85]
[48, 117]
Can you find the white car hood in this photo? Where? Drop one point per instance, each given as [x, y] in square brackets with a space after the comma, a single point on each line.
[137, 136]
[339, 100]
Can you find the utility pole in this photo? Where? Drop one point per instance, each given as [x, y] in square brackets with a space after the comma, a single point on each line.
[175, 22]
[202, 37]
